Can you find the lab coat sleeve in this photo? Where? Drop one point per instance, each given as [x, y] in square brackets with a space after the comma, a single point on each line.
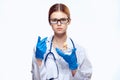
[84, 71]
[35, 68]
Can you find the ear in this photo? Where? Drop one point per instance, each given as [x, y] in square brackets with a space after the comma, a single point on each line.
[69, 21]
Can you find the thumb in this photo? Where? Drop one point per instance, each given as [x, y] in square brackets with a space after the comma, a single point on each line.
[60, 52]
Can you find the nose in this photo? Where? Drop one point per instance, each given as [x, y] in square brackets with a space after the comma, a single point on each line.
[58, 23]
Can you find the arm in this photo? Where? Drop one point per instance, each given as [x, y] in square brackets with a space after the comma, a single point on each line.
[35, 69]
[38, 56]
[84, 71]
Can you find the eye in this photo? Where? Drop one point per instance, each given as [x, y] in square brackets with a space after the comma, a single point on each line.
[54, 20]
[63, 19]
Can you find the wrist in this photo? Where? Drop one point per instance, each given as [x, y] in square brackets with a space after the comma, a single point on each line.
[39, 62]
[73, 66]
[74, 72]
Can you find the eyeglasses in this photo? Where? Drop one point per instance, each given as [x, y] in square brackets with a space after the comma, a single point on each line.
[61, 20]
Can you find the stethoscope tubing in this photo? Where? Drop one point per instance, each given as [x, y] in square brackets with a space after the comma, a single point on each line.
[51, 53]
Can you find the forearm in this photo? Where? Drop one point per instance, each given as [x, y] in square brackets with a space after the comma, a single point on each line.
[84, 71]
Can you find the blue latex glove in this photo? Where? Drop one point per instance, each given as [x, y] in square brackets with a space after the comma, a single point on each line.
[70, 59]
[40, 48]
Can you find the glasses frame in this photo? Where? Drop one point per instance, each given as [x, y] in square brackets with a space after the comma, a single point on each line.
[55, 20]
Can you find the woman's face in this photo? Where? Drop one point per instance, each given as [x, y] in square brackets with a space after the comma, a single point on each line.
[59, 22]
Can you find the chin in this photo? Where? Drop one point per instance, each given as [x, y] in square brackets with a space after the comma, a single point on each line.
[61, 33]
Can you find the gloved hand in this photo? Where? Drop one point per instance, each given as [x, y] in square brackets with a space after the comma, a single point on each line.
[70, 59]
[40, 48]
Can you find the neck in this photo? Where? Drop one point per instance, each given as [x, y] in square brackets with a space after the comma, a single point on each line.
[60, 38]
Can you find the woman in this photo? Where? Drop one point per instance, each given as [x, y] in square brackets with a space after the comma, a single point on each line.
[58, 57]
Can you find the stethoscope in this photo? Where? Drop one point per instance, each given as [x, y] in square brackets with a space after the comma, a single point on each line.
[51, 53]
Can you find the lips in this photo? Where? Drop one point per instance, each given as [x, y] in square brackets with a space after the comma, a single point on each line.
[59, 29]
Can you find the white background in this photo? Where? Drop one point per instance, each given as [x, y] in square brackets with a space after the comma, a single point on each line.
[95, 25]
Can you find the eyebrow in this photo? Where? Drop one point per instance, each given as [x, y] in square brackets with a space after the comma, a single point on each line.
[59, 18]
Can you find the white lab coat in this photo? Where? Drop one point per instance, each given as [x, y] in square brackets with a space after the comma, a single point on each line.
[43, 72]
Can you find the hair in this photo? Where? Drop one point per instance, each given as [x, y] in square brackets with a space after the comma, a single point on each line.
[59, 7]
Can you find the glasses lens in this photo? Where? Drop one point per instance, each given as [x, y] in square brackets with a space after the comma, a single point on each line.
[53, 21]
[64, 20]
